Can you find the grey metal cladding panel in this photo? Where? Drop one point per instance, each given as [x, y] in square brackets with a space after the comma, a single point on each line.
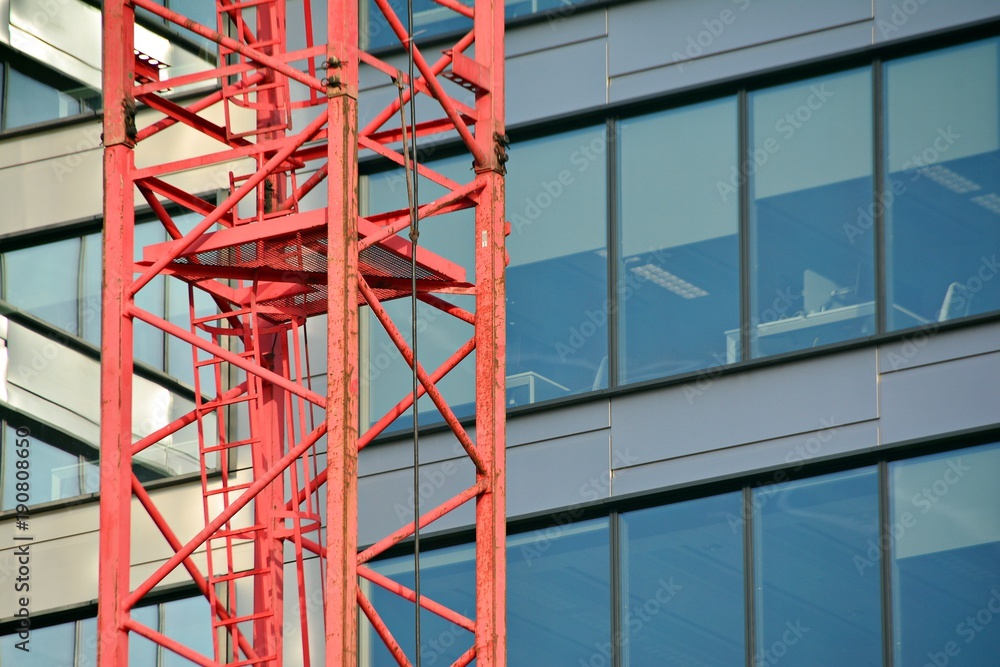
[648, 34]
[548, 424]
[928, 346]
[385, 501]
[558, 473]
[556, 81]
[773, 402]
[789, 452]
[565, 26]
[398, 454]
[63, 573]
[940, 398]
[686, 73]
[54, 372]
[903, 18]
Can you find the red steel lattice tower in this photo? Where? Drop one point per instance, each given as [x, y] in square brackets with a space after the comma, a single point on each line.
[267, 261]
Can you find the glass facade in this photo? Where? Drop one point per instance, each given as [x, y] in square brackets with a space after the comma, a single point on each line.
[75, 642]
[557, 290]
[683, 596]
[809, 284]
[67, 293]
[774, 572]
[600, 298]
[56, 472]
[811, 605]
[679, 263]
[945, 539]
[942, 189]
[432, 20]
[682, 584]
[32, 94]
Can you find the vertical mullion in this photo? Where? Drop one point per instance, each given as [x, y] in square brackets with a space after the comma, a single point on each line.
[613, 242]
[748, 577]
[618, 639]
[743, 182]
[879, 202]
[885, 538]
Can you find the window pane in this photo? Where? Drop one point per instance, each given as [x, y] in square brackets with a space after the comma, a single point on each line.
[148, 341]
[55, 473]
[559, 595]
[446, 576]
[142, 651]
[946, 551]
[387, 376]
[48, 647]
[811, 172]
[429, 19]
[942, 194]
[682, 579]
[90, 288]
[87, 648]
[43, 281]
[815, 605]
[189, 622]
[203, 13]
[679, 274]
[557, 288]
[32, 101]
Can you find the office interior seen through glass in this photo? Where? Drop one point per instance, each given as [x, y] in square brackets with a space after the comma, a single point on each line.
[628, 267]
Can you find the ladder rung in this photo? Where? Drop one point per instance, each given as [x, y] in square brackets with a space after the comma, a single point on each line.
[230, 445]
[241, 619]
[236, 534]
[219, 360]
[228, 489]
[237, 575]
[221, 316]
[216, 403]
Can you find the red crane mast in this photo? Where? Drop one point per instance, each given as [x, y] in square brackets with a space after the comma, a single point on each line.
[268, 258]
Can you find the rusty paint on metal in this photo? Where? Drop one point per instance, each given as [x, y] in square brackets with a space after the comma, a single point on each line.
[266, 271]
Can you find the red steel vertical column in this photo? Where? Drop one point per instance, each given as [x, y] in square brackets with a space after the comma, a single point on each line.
[491, 562]
[341, 613]
[116, 336]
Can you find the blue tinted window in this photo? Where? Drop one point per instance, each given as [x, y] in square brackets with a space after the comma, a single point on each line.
[815, 605]
[679, 273]
[431, 19]
[46, 647]
[188, 621]
[90, 288]
[946, 551]
[446, 576]
[55, 473]
[43, 281]
[559, 595]
[942, 190]
[30, 100]
[387, 376]
[557, 287]
[812, 274]
[148, 340]
[558, 599]
[682, 583]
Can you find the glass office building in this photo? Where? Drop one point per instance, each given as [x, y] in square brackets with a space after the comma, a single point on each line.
[753, 338]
